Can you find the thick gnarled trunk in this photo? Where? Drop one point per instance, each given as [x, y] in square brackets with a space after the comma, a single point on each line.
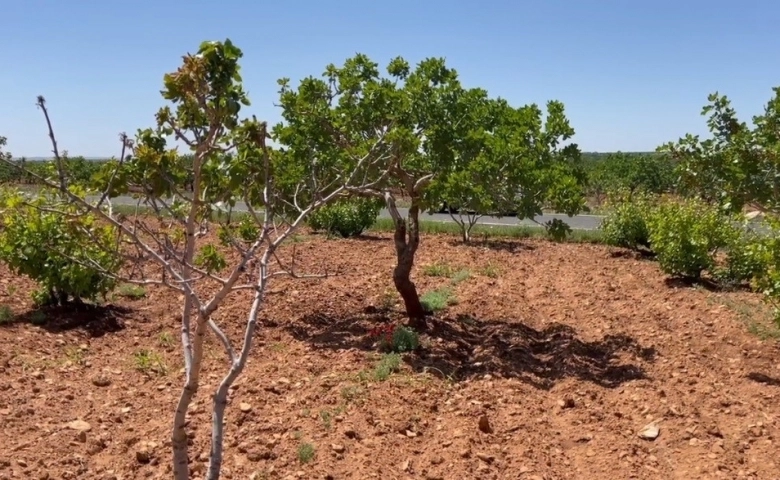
[407, 239]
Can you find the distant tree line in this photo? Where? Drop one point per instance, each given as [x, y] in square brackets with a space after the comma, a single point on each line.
[79, 169]
[605, 173]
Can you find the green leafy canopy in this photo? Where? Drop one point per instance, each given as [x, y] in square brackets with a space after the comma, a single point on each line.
[419, 131]
[739, 164]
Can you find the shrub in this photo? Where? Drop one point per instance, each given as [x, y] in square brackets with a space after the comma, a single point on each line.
[387, 365]
[6, 314]
[347, 217]
[306, 452]
[438, 299]
[626, 225]
[396, 338]
[766, 255]
[246, 230]
[746, 258]
[557, 230]
[686, 237]
[68, 255]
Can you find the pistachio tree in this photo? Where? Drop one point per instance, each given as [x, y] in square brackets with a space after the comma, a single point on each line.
[429, 140]
[739, 164]
[228, 162]
[738, 167]
[513, 163]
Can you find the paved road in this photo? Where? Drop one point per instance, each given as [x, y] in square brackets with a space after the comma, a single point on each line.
[578, 222]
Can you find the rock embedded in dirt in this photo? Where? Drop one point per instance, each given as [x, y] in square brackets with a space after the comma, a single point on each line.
[484, 424]
[714, 431]
[485, 457]
[245, 407]
[338, 448]
[101, 381]
[95, 447]
[565, 403]
[80, 426]
[650, 432]
[257, 455]
[143, 454]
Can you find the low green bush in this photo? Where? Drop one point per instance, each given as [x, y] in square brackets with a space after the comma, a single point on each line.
[687, 236]
[746, 258]
[626, 224]
[347, 217]
[764, 256]
[68, 254]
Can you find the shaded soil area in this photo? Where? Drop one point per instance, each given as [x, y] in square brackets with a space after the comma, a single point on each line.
[547, 363]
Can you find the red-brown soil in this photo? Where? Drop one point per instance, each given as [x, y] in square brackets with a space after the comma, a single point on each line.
[567, 351]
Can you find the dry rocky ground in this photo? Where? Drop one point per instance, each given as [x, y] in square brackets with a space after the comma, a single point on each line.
[549, 363]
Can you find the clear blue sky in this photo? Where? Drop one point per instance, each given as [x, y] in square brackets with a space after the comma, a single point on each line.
[632, 74]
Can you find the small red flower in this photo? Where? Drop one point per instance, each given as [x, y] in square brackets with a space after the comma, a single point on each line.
[383, 332]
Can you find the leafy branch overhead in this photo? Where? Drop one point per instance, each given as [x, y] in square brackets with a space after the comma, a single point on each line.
[738, 165]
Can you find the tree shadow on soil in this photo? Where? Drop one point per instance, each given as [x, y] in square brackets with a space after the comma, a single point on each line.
[707, 284]
[638, 255]
[765, 379]
[464, 347]
[498, 245]
[96, 320]
[365, 237]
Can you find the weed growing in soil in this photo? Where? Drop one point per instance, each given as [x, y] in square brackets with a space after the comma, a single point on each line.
[306, 453]
[439, 299]
[448, 271]
[326, 419]
[147, 361]
[388, 300]
[438, 270]
[460, 277]
[388, 364]
[490, 270]
[75, 355]
[758, 318]
[396, 338]
[128, 290]
[6, 314]
[166, 340]
[352, 393]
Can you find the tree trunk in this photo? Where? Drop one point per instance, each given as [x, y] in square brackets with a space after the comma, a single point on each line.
[407, 239]
[236, 367]
[218, 431]
[192, 347]
[179, 440]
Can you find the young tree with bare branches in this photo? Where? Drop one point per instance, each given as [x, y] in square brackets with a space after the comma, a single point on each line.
[230, 162]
